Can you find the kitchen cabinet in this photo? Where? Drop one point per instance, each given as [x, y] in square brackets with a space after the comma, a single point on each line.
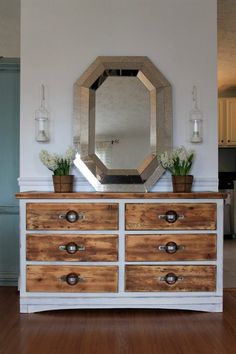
[227, 122]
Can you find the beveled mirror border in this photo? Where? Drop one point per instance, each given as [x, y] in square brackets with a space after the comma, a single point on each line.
[84, 120]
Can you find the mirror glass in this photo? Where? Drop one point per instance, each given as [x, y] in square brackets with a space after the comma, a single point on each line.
[122, 121]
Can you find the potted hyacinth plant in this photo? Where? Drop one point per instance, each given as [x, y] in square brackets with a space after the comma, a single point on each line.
[60, 166]
[179, 163]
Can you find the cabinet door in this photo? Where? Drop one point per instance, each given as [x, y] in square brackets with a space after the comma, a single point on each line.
[9, 162]
[221, 122]
[231, 121]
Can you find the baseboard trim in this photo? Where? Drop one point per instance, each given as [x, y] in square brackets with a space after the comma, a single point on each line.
[82, 185]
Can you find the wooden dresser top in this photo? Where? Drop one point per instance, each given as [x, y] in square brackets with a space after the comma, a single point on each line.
[124, 195]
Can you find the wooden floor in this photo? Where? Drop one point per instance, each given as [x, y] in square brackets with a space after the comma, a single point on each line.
[116, 331]
[229, 263]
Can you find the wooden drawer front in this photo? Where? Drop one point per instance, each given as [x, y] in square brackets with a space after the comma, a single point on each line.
[53, 279]
[152, 278]
[152, 216]
[147, 248]
[97, 248]
[90, 216]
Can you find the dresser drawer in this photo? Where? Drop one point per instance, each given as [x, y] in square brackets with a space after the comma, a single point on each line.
[81, 279]
[170, 278]
[97, 248]
[170, 216]
[72, 216]
[170, 247]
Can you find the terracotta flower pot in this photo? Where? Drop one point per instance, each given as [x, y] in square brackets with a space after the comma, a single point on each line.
[182, 184]
[63, 184]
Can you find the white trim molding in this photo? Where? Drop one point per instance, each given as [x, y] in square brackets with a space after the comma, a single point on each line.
[82, 185]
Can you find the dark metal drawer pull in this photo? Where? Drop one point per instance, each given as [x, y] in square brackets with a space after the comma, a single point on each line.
[71, 248]
[171, 216]
[170, 247]
[171, 278]
[72, 278]
[72, 216]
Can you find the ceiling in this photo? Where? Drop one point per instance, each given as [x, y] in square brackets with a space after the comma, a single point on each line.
[227, 45]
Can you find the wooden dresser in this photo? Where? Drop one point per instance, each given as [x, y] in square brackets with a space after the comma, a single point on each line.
[121, 250]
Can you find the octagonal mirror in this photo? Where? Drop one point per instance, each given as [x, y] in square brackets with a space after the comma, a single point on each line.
[122, 121]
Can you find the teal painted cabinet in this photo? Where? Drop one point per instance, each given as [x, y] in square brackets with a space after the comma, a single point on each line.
[9, 170]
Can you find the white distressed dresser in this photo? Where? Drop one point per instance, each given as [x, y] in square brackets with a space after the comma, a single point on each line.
[121, 250]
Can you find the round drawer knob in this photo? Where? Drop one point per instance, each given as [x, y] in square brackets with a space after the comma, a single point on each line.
[171, 216]
[171, 278]
[171, 247]
[72, 216]
[71, 247]
[72, 279]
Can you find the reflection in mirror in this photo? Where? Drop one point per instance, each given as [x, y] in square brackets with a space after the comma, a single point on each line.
[123, 119]
[122, 122]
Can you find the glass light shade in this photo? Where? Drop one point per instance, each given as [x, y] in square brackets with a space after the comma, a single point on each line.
[196, 126]
[42, 120]
[41, 125]
[195, 119]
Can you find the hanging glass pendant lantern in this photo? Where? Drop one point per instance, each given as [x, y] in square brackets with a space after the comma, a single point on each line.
[42, 120]
[196, 120]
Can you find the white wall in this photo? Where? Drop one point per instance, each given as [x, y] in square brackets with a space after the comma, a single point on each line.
[10, 28]
[60, 38]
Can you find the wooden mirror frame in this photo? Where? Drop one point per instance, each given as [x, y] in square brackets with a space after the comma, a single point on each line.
[160, 123]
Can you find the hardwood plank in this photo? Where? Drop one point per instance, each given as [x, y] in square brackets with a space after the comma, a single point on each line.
[148, 278]
[124, 195]
[51, 216]
[49, 278]
[145, 248]
[116, 331]
[190, 216]
[96, 248]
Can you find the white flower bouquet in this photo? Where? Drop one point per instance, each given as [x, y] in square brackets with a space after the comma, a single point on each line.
[59, 165]
[178, 161]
